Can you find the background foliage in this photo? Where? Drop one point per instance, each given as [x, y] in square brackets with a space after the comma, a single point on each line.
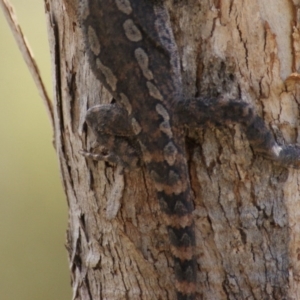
[33, 210]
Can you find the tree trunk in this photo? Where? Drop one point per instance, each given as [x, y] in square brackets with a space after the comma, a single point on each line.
[246, 209]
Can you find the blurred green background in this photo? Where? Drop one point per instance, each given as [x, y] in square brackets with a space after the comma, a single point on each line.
[33, 210]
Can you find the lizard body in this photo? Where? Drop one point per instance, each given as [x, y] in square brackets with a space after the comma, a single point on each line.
[132, 51]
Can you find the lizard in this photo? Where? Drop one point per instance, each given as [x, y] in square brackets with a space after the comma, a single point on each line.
[132, 51]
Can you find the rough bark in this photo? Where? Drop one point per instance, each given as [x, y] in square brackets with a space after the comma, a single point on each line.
[247, 208]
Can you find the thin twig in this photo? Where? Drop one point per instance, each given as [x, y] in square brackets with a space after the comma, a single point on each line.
[27, 55]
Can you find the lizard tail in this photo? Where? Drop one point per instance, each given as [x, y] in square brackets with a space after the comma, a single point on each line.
[177, 210]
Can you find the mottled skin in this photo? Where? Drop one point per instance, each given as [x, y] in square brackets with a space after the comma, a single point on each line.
[132, 51]
[150, 80]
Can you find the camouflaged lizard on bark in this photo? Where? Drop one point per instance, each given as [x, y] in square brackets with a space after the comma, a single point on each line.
[132, 51]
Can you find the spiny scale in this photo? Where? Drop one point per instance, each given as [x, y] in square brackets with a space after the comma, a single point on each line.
[133, 53]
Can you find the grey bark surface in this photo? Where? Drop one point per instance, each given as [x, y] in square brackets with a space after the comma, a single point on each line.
[246, 207]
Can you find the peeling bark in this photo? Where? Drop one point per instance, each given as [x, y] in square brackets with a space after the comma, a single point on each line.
[247, 209]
